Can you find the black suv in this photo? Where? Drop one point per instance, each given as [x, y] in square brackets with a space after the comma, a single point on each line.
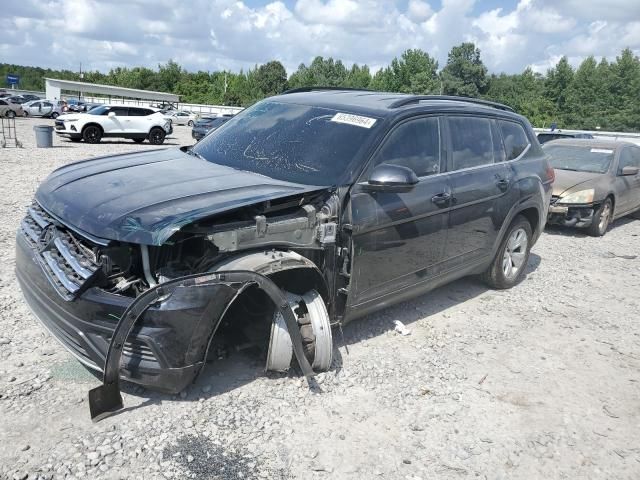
[305, 211]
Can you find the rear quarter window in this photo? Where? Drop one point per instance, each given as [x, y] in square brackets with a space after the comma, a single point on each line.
[514, 138]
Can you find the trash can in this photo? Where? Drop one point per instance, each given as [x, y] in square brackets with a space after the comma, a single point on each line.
[44, 136]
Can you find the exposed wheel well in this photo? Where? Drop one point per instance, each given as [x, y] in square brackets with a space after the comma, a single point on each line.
[613, 202]
[532, 215]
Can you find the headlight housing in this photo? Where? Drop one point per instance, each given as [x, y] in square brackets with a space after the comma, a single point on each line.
[70, 120]
[583, 196]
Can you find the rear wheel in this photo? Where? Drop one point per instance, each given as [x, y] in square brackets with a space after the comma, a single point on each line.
[601, 219]
[11, 114]
[512, 256]
[156, 136]
[138, 140]
[190, 123]
[92, 134]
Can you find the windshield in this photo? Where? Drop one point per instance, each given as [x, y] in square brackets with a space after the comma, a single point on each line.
[99, 110]
[580, 158]
[295, 143]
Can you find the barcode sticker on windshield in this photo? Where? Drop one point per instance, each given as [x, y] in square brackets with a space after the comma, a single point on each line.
[601, 150]
[357, 120]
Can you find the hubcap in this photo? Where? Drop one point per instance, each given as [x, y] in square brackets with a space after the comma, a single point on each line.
[604, 217]
[515, 253]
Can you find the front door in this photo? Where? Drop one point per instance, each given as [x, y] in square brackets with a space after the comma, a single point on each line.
[627, 186]
[482, 189]
[118, 123]
[399, 238]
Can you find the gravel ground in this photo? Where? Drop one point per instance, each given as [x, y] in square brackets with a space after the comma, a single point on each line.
[541, 381]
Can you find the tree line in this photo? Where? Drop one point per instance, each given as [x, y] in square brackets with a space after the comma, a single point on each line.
[597, 95]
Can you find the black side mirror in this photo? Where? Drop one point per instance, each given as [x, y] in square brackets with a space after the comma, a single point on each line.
[629, 171]
[392, 178]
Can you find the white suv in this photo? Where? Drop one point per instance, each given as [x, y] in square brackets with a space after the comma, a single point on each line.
[136, 123]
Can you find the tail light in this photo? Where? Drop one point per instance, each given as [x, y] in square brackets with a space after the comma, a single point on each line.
[551, 173]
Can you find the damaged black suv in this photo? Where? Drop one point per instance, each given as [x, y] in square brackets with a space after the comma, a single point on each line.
[303, 212]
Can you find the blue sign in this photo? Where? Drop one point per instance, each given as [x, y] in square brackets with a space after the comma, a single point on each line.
[13, 79]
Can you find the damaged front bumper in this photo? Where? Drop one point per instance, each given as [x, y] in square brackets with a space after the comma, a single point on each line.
[579, 215]
[161, 355]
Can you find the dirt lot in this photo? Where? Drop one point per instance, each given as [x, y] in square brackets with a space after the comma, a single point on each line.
[542, 381]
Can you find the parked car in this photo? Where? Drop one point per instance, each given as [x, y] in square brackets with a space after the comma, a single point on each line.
[206, 125]
[136, 123]
[307, 210]
[181, 118]
[16, 99]
[544, 137]
[30, 97]
[42, 108]
[11, 110]
[597, 182]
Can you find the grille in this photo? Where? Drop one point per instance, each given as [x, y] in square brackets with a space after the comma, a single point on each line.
[68, 261]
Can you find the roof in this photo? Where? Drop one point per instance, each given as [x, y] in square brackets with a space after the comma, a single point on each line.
[85, 87]
[384, 104]
[588, 142]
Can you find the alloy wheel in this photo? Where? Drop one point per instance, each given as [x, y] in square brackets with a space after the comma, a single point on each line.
[515, 253]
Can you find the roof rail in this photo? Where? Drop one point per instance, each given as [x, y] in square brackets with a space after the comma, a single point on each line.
[312, 89]
[417, 98]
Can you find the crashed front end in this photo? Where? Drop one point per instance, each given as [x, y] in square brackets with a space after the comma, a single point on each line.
[65, 279]
[571, 215]
[80, 286]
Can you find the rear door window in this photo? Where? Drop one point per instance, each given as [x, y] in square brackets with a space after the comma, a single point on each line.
[472, 142]
[514, 138]
[414, 144]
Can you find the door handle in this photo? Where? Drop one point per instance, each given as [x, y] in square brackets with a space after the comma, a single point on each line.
[442, 199]
[502, 184]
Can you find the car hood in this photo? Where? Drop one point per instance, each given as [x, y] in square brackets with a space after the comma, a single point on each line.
[567, 180]
[147, 197]
[73, 116]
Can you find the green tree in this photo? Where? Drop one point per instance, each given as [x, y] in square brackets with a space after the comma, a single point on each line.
[557, 85]
[464, 74]
[271, 78]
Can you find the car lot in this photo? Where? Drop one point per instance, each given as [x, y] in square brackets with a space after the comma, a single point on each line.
[540, 381]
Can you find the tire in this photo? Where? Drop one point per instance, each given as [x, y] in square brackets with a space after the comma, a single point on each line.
[190, 123]
[508, 266]
[55, 115]
[11, 114]
[92, 134]
[156, 136]
[601, 219]
[26, 114]
[138, 140]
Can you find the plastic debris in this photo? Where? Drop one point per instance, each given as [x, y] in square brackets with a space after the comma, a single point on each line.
[401, 328]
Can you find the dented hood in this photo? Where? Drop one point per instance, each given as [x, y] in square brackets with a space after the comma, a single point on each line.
[146, 197]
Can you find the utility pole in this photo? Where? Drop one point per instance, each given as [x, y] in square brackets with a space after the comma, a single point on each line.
[81, 77]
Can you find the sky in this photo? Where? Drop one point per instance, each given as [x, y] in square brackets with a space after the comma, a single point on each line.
[214, 35]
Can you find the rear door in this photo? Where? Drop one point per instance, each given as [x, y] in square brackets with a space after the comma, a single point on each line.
[399, 237]
[482, 188]
[139, 120]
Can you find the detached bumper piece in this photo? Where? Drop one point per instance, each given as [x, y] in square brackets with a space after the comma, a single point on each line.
[106, 399]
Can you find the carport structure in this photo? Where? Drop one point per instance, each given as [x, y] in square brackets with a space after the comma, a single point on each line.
[54, 88]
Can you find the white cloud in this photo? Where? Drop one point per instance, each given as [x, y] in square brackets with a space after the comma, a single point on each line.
[232, 34]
